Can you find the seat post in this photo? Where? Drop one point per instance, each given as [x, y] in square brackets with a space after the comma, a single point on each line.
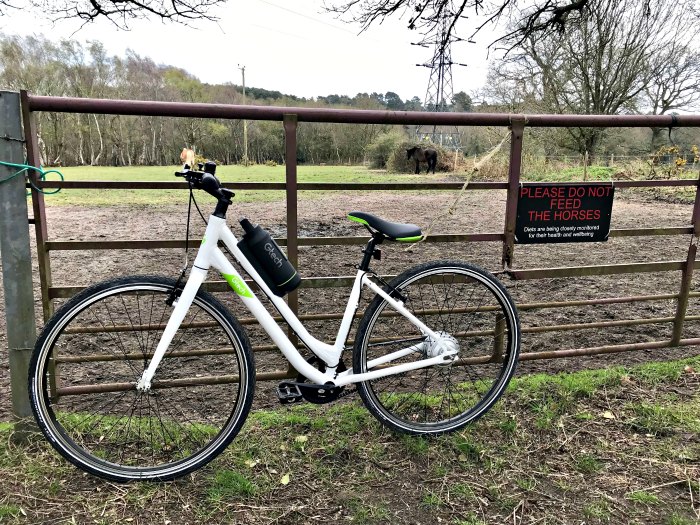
[370, 249]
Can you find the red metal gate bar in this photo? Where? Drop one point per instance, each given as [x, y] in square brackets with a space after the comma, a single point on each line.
[516, 154]
[31, 139]
[290, 163]
[330, 186]
[609, 349]
[346, 116]
[305, 186]
[62, 292]
[588, 271]
[267, 376]
[338, 241]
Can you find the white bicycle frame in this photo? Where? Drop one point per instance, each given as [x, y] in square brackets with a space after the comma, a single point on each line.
[209, 255]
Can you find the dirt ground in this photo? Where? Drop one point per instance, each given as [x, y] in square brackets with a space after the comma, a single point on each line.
[480, 211]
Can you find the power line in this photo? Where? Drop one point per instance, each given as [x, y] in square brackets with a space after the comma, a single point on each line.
[308, 17]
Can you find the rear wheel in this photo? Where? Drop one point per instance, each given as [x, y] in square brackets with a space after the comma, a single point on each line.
[91, 354]
[466, 305]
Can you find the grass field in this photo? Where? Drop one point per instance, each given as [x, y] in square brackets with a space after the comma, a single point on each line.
[234, 173]
[609, 446]
[497, 170]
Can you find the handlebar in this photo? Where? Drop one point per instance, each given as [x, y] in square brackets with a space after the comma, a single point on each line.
[205, 179]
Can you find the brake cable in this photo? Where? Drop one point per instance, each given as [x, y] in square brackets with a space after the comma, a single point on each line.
[177, 289]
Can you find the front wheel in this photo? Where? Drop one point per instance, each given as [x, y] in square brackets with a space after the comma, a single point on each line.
[91, 354]
[471, 309]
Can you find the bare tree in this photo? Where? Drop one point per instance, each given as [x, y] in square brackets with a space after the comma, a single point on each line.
[602, 64]
[534, 17]
[121, 12]
[6, 5]
[675, 84]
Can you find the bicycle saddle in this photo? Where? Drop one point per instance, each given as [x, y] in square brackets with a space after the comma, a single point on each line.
[396, 231]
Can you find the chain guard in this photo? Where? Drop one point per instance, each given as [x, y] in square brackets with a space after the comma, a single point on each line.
[311, 395]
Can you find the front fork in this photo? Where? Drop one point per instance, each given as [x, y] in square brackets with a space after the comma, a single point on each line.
[182, 306]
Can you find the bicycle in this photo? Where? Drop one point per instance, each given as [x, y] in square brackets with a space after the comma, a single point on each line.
[144, 378]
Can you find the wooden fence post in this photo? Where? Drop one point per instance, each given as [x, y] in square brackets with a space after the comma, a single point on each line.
[16, 260]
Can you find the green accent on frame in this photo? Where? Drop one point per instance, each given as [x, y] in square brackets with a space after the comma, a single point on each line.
[204, 239]
[410, 239]
[238, 286]
[357, 219]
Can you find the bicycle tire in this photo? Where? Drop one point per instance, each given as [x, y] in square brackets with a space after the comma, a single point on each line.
[88, 358]
[451, 297]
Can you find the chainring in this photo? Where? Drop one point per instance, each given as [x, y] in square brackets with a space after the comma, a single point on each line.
[309, 394]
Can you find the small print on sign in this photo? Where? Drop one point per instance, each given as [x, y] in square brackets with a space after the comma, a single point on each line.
[578, 212]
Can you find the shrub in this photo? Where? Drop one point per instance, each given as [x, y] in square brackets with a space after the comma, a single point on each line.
[379, 151]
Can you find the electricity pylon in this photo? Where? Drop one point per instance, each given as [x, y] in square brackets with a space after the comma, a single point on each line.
[438, 96]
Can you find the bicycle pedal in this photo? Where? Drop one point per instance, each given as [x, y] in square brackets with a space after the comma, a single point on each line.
[288, 393]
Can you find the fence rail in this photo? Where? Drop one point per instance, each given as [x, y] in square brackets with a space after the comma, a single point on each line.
[290, 117]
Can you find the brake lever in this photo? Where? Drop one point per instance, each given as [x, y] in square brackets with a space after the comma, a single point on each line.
[192, 176]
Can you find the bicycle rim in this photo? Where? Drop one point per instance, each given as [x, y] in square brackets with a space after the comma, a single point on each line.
[459, 301]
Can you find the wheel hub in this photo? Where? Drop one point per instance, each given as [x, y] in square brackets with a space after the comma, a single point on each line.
[445, 343]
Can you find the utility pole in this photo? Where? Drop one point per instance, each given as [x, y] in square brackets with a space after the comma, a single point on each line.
[245, 122]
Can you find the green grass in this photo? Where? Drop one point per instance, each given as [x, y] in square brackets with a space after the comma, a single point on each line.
[468, 450]
[587, 464]
[343, 465]
[471, 520]
[431, 500]
[233, 173]
[229, 484]
[672, 416]
[364, 512]
[677, 519]
[593, 173]
[9, 511]
[643, 497]
[599, 509]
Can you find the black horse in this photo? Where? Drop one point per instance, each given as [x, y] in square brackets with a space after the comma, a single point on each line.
[420, 154]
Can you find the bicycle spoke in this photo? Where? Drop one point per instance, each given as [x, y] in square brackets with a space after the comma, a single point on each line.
[463, 305]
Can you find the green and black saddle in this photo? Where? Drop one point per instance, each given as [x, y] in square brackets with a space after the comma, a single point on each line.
[394, 231]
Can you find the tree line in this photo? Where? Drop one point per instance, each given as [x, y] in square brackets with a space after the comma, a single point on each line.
[71, 68]
[611, 62]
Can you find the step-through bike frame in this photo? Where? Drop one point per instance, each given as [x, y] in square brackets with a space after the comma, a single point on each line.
[210, 255]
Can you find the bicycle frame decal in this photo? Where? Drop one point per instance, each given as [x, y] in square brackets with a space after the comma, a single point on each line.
[237, 285]
[209, 255]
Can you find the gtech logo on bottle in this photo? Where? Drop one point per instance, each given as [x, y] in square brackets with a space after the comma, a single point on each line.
[272, 252]
[238, 286]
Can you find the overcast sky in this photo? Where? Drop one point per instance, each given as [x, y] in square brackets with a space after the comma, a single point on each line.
[292, 47]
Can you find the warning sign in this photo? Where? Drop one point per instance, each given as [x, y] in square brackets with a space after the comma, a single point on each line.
[577, 212]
